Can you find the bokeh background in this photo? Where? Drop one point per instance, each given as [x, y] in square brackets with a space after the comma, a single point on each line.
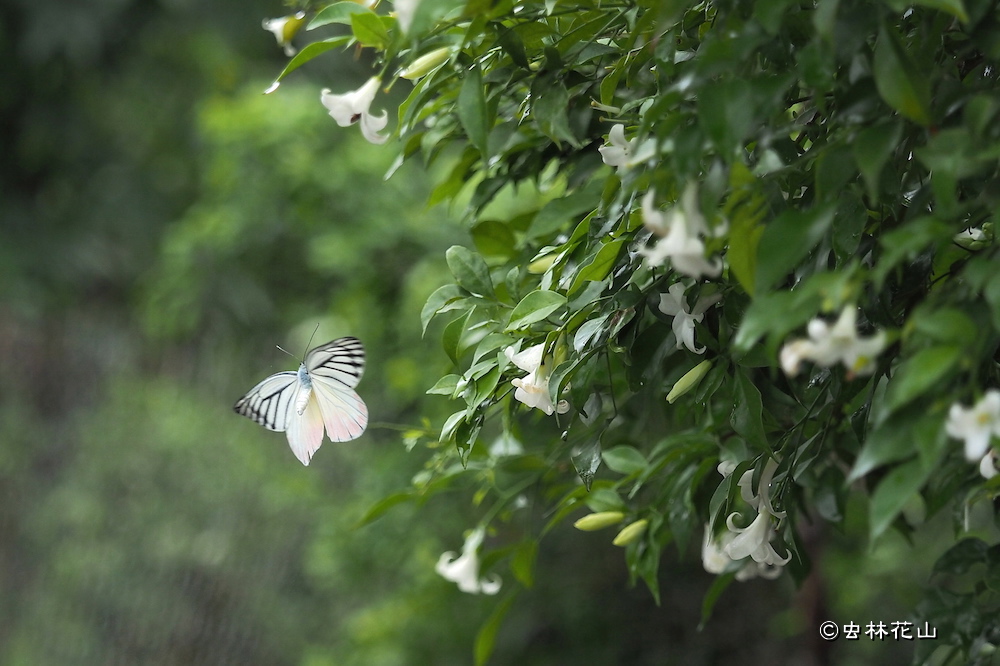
[164, 226]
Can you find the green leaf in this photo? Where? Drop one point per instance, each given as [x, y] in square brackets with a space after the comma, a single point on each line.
[487, 636]
[894, 492]
[338, 12]
[834, 169]
[556, 213]
[438, 302]
[787, 240]
[522, 562]
[719, 585]
[899, 81]
[746, 417]
[624, 460]
[308, 52]
[445, 386]
[534, 307]
[726, 110]
[954, 7]
[920, 373]
[550, 112]
[586, 460]
[744, 241]
[872, 149]
[369, 30]
[493, 238]
[961, 557]
[894, 439]
[470, 271]
[378, 509]
[597, 267]
[472, 110]
[451, 338]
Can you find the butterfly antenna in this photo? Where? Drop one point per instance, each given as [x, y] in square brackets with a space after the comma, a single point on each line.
[290, 354]
[309, 344]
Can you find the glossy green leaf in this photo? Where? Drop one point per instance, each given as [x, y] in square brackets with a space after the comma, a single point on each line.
[472, 110]
[487, 635]
[308, 52]
[893, 493]
[439, 301]
[899, 81]
[338, 12]
[624, 460]
[470, 271]
[786, 240]
[921, 373]
[746, 416]
[872, 149]
[493, 238]
[369, 30]
[535, 307]
[598, 266]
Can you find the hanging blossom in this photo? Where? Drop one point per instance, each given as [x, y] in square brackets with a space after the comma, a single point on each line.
[622, 154]
[754, 540]
[405, 11]
[533, 389]
[464, 569]
[351, 107]
[284, 29]
[829, 344]
[674, 305]
[678, 229]
[976, 425]
[716, 561]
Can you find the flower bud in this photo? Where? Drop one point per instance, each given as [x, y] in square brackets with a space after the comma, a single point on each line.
[689, 381]
[631, 532]
[426, 63]
[539, 266]
[599, 520]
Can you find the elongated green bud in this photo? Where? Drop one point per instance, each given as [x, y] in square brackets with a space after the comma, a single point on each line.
[631, 532]
[689, 381]
[599, 520]
[426, 63]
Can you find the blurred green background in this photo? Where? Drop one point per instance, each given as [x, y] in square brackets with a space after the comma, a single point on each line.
[164, 225]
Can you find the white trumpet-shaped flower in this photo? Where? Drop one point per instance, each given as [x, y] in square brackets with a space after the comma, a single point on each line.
[673, 304]
[284, 29]
[679, 242]
[405, 11]
[829, 344]
[533, 389]
[355, 106]
[754, 541]
[464, 569]
[623, 154]
[715, 560]
[976, 425]
[987, 466]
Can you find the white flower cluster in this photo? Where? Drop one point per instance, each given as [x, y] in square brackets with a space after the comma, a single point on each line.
[679, 232]
[828, 345]
[753, 541]
[533, 389]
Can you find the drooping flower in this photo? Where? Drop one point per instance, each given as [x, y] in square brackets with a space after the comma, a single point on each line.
[405, 11]
[619, 153]
[284, 29]
[533, 389]
[715, 560]
[674, 305]
[754, 541]
[464, 569]
[678, 229]
[829, 344]
[351, 107]
[987, 466]
[976, 425]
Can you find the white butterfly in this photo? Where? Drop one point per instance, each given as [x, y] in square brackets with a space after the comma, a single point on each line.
[320, 394]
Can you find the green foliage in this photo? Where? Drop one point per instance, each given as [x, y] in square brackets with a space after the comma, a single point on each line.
[818, 163]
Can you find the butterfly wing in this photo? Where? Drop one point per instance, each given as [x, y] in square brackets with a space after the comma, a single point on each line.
[305, 432]
[271, 402]
[335, 369]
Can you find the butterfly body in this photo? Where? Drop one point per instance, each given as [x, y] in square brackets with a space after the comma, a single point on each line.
[319, 396]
